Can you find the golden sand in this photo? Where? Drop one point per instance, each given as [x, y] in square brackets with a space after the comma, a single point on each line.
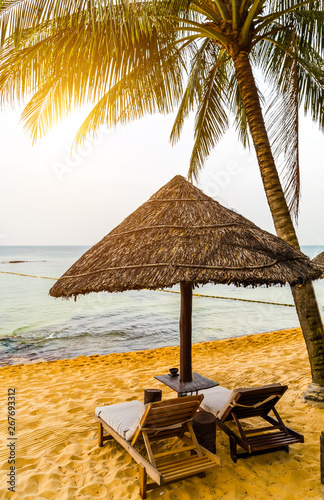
[57, 455]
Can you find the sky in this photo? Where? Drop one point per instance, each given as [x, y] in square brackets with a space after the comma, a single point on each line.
[48, 197]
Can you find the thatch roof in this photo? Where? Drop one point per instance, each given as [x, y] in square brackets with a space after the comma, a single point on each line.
[319, 261]
[182, 235]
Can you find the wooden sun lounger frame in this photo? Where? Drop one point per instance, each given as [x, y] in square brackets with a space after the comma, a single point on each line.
[258, 402]
[163, 420]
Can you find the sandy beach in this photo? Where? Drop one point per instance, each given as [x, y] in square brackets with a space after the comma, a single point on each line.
[56, 451]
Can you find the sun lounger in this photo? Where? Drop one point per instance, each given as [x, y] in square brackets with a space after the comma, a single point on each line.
[241, 404]
[133, 423]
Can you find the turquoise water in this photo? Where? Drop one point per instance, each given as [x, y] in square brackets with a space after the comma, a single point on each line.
[35, 326]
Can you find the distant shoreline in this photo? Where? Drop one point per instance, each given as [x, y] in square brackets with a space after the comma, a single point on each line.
[252, 337]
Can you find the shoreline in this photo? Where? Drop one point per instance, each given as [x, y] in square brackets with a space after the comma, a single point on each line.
[25, 361]
[57, 451]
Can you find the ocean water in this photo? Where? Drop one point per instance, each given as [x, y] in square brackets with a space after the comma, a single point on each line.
[35, 326]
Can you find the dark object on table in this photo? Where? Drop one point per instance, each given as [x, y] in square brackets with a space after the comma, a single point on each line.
[204, 426]
[152, 395]
[174, 372]
[183, 388]
[254, 402]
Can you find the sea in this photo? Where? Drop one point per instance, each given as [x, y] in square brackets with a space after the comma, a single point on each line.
[37, 327]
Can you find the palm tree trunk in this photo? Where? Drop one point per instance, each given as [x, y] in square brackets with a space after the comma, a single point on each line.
[304, 296]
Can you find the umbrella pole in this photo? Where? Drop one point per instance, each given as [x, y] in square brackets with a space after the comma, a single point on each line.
[185, 332]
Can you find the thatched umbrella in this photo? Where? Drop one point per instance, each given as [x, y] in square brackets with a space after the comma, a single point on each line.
[319, 261]
[180, 235]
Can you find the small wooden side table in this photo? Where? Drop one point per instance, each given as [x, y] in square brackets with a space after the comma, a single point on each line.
[204, 426]
[152, 395]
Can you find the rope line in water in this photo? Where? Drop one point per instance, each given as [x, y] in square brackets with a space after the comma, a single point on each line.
[29, 275]
[233, 298]
[173, 291]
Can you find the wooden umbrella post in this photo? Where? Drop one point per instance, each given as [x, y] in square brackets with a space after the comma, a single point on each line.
[185, 332]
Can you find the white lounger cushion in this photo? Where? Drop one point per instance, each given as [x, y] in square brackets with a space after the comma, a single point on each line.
[215, 399]
[124, 418]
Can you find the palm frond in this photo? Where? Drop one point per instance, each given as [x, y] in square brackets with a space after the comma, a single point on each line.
[271, 54]
[237, 108]
[149, 88]
[311, 89]
[283, 127]
[90, 59]
[292, 64]
[256, 7]
[211, 118]
[281, 11]
[194, 88]
[309, 26]
[47, 107]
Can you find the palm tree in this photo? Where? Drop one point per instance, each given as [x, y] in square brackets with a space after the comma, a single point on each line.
[131, 58]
